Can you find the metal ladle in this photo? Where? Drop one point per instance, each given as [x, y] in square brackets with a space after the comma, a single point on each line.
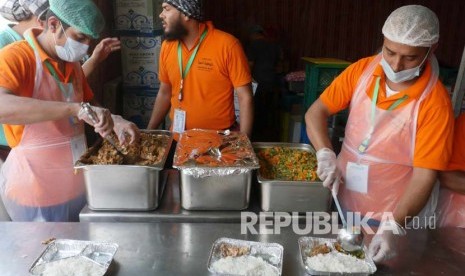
[350, 239]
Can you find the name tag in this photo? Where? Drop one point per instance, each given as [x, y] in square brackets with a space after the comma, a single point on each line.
[357, 177]
[78, 147]
[179, 124]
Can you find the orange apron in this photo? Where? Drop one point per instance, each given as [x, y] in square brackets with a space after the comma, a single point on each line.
[38, 173]
[389, 155]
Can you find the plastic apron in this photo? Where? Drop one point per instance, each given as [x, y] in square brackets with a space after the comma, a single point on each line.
[451, 209]
[38, 180]
[389, 154]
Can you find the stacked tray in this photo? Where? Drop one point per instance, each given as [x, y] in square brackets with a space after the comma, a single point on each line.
[215, 169]
[280, 195]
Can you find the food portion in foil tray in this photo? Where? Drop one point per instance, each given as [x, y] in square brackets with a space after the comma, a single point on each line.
[149, 150]
[198, 147]
[240, 257]
[289, 164]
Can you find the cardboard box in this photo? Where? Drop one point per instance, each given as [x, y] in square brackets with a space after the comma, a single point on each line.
[138, 105]
[140, 61]
[138, 17]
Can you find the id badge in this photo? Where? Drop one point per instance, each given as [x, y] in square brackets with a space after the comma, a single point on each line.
[78, 147]
[179, 123]
[357, 177]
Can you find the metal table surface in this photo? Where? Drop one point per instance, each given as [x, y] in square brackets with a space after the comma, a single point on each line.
[184, 248]
[170, 210]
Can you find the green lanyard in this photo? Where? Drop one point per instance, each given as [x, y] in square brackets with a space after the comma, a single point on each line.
[189, 62]
[364, 145]
[65, 92]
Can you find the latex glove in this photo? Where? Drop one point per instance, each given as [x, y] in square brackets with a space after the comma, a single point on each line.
[104, 123]
[327, 169]
[105, 47]
[384, 244]
[125, 130]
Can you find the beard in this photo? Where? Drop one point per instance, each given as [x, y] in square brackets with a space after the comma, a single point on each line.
[178, 31]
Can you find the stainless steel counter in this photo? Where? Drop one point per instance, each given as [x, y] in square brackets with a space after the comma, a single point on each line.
[183, 248]
[169, 209]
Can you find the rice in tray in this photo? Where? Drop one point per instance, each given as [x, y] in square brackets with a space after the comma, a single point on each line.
[244, 265]
[337, 262]
[74, 266]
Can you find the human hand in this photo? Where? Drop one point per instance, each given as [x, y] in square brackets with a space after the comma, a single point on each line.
[105, 47]
[98, 117]
[384, 244]
[327, 169]
[125, 129]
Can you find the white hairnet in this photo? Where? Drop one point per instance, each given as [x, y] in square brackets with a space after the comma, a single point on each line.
[413, 25]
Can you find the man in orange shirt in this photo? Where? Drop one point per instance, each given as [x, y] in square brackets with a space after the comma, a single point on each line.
[200, 67]
[451, 203]
[399, 130]
[41, 87]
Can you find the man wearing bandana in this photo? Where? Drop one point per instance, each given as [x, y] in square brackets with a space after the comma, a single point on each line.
[200, 67]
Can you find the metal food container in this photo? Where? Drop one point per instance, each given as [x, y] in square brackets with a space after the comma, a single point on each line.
[271, 253]
[124, 187]
[306, 245]
[217, 186]
[292, 196]
[98, 254]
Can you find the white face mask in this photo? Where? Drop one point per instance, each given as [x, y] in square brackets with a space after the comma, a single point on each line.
[404, 75]
[72, 51]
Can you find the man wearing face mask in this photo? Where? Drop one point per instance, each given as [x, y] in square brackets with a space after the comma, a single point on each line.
[399, 130]
[42, 86]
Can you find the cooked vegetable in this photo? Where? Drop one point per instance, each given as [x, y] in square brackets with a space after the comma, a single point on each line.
[287, 164]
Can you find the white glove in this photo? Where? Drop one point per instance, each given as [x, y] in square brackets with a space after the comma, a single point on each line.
[327, 169]
[384, 244]
[102, 122]
[125, 129]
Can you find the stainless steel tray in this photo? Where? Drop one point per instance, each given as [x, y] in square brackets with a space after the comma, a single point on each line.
[272, 253]
[99, 253]
[124, 187]
[306, 244]
[229, 192]
[292, 196]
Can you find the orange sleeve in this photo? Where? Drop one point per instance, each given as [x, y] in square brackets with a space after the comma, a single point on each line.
[238, 66]
[457, 160]
[435, 127]
[17, 69]
[339, 93]
[162, 72]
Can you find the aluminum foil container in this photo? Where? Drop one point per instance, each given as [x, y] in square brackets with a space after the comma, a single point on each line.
[272, 253]
[100, 253]
[306, 244]
[204, 153]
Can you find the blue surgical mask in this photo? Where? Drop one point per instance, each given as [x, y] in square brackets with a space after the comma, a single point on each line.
[404, 75]
[72, 51]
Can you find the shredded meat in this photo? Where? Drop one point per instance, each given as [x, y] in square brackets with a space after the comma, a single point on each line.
[320, 249]
[228, 250]
[148, 151]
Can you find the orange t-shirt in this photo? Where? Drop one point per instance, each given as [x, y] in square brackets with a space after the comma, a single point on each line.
[435, 125]
[457, 160]
[219, 66]
[17, 74]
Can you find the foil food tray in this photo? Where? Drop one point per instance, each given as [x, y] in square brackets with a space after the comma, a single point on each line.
[306, 244]
[272, 253]
[291, 196]
[101, 253]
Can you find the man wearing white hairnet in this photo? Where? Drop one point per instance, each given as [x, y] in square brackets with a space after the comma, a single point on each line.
[399, 130]
[42, 86]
